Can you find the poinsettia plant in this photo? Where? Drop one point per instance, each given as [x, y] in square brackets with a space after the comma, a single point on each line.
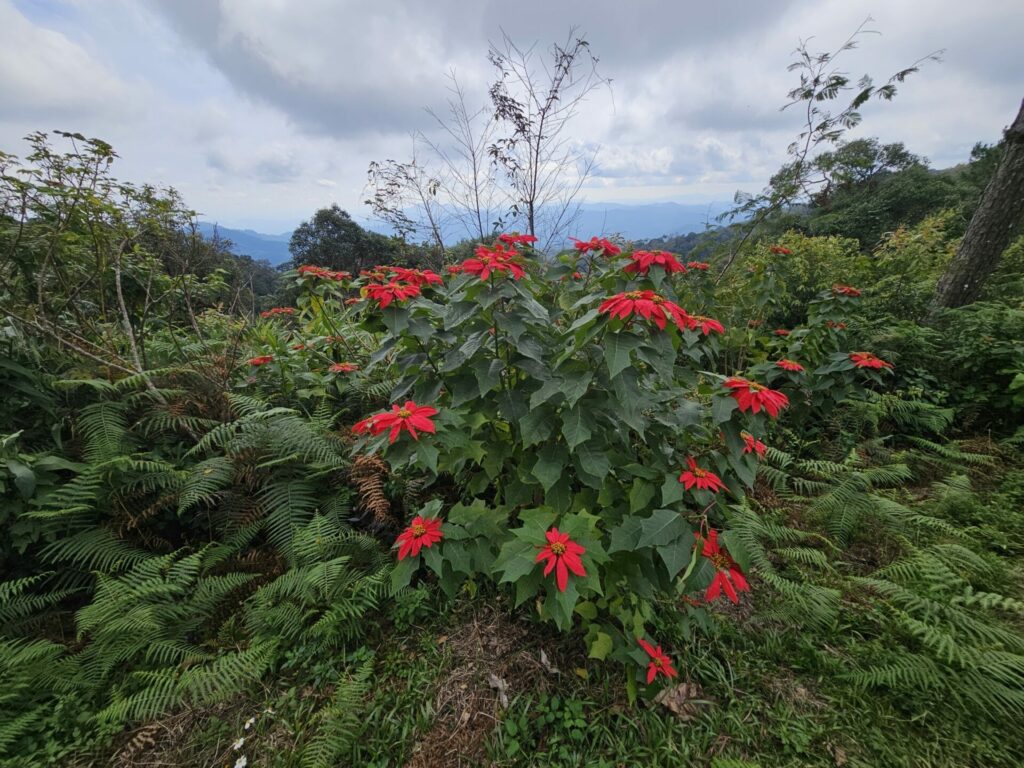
[572, 407]
[585, 418]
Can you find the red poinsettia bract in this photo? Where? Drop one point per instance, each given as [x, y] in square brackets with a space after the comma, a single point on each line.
[642, 261]
[648, 305]
[562, 555]
[278, 311]
[779, 250]
[324, 274]
[752, 445]
[845, 290]
[752, 396]
[386, 293]
[496, 259]
[701, 266]
[781, 332]
[417, 277]
[728, 576]
[410, 417]
[343, 368]
[510, 239]
[790, 365]
[703, 479]
[597, 244]
[867, 360]
[708, 324]
[260, 360]
[660, 663]
[422, 532]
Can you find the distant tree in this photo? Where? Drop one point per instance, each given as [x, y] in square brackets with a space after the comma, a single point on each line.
[858, 164]
[332, 239]
[800, 180]
[994, 225]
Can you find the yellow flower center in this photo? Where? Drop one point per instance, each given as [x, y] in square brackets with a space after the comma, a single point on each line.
[700, 472]
[720, 561]
[558, 548]
[405, 413]
[755, 387]
[419, 529]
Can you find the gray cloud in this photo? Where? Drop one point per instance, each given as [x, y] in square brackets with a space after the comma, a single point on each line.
[261, 111]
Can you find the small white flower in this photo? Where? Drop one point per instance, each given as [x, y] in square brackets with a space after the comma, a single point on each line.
[238, 744]
[249, 723]
[241, 762]
[268, 711]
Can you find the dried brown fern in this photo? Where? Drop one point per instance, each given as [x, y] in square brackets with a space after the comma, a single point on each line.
[368, 474]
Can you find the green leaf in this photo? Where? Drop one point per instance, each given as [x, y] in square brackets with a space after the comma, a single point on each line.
[640, 495]
[560, 495]
[663, 526]
[516, 559]
[593, 460]
[396, 319]
[574, 427]
[617, 348]
[402, 573]
[575, 386]
[550, 464]
[600, 647]
[722, 408]
[24, 478]
[512, 405]
[677, 554]
[535, 426]
[671, 490]
[547, 390]
[626, 535]
[488, 374]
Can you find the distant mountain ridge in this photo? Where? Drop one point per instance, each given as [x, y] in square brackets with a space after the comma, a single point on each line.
[634, 222]
[246, 242]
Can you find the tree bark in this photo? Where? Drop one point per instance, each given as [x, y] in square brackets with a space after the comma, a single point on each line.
[992, 228]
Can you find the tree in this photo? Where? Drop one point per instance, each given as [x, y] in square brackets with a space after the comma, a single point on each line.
[545, 169]
[332, 239]
[992, 228]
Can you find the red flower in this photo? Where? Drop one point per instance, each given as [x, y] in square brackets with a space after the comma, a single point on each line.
[577, 276]
[343, 368]
[278, 311]
[299, 347]
[702, 478]
[781, 332]
[597, 244]
[422, 532]
[727, 574]
[261, 360]
[790, 365]
[324, 274]
[752, 444]
[699, 265]
[410, 417]
[415, 276]
[835, 326]
[753, 397]
[778, 249]
[496, 259]
[642, 261]
[660, 663]
[563, 555]
[648, 305]
[454, 269]
[388, 292]
[707, 325]
[517, 239]
[844, 290]
[867, 360]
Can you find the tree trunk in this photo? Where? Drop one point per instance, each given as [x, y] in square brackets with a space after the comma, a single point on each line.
[992, 228]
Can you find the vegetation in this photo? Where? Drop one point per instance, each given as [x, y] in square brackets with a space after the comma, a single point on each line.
[755, 503]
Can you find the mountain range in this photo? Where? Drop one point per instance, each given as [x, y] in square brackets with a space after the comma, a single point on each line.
[633, 222]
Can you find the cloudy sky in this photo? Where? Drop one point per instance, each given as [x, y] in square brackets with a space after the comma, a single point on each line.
[261, 111]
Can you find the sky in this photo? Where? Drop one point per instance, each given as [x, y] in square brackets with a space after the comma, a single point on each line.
[261, 111]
